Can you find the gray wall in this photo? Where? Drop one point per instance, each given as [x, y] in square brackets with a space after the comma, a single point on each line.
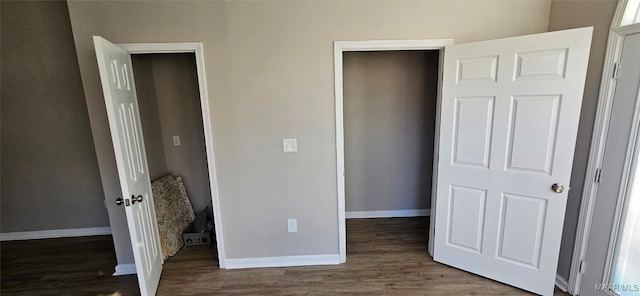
[567, 15]
[270, 76]
[49, 167]
[244, 43]
[389, 123]
[171, 107]
[149, 115]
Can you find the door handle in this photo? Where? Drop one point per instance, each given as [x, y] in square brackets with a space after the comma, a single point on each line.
[119, 201]
[557, 188]
[136, 198]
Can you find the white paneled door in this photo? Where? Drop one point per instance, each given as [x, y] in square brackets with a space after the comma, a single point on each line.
[116, 75]
[509, 118]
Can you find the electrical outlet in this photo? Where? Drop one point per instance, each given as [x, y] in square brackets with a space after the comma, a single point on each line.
[290, 145]
[292, 225]
[176, 140]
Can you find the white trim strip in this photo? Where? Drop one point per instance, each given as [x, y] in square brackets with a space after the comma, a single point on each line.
[283, 261]
[54, 233]
[377, 45]
[125, 269]
[561, 283]
[144, 48]
[388, 214]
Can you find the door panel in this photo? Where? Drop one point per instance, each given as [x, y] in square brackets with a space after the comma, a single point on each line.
[126, 132]
[532, 117]
[509, 118]
[474, 119]
[477, 69]
[542, 64]
[521, 228]
[466, 208]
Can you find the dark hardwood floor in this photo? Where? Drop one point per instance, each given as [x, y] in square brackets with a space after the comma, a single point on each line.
[384, 257]
[63, 266]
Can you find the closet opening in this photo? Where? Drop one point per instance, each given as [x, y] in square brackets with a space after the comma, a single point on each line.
[170, 109]
[389, 113]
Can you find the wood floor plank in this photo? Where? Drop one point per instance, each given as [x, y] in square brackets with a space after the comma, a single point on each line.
[384, 257]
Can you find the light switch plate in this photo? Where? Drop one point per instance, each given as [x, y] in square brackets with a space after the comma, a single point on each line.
[292, 225]
[290, 145]
[176, 140]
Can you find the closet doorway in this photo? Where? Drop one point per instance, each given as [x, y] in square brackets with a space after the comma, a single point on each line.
[386, 114]
[171, 117]
[174, 109]
[145, 231]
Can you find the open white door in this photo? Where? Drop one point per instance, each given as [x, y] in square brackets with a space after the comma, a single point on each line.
[116, 75]
[509, 118]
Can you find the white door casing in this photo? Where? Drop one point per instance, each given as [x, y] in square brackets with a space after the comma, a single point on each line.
[509, 117]
[116, 75]
[339, 48]
[615, 179]
[197, 49]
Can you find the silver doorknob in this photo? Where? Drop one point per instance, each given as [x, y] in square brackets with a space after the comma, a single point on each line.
[119, 201]
[136, 198]
[557, 188]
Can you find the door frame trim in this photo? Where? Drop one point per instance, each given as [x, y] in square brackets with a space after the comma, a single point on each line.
[339, 47]
[617, 32]
[629, 166]
[197, 49]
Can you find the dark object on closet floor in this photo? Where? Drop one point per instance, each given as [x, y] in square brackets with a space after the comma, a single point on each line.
[198, 234]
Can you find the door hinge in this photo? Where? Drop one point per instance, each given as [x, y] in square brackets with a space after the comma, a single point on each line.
[598, 175]
[616, 70]
[583, 266]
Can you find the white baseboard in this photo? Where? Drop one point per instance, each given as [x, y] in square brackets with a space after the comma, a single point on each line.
[125, 269]
[561, 283]
[283, 261]
[388, 214]
[55, 233]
